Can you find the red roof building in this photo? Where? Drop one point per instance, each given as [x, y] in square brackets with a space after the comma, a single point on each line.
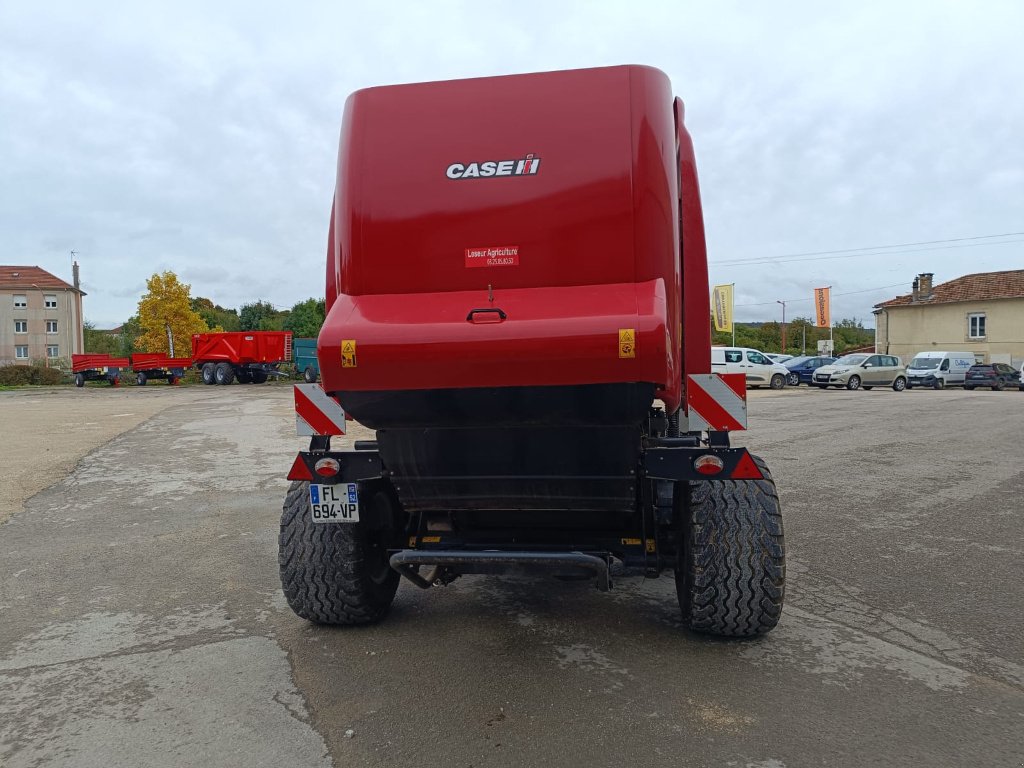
[40, 315]
[981, 313]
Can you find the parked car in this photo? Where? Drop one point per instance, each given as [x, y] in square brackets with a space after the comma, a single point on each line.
[995, 375]
[758, 367]
[1020, 384]
[778, 357]
[863, 371]
[801, 369]
[938, 369]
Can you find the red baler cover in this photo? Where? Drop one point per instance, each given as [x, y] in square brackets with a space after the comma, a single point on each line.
[554, 197]
[241, 347]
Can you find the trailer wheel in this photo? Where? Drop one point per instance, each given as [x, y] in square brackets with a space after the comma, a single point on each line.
[259, 377]
[140, 379]
[731, 581]
[309, 375]
[79, 380]
[332, 573]
[224, 373]
[244, 377]
[209, 373]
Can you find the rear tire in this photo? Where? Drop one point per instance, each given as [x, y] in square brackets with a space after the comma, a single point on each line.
[778, 381]
[140, 379]
[209, 373]
[853, 383]
[224, 373]
[731, 581]
[332, 573]
[79, 380]
[309, 375]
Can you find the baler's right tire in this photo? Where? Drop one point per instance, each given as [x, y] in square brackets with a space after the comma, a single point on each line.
[209, 373]
[224, 373]
[731, 580]
[332, 573]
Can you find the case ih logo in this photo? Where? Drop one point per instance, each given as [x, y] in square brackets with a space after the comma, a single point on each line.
[527, 166]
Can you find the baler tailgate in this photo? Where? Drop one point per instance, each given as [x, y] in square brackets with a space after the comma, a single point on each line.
[589, 334]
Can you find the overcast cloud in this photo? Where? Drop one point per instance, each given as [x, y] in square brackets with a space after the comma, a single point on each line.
[201, 137]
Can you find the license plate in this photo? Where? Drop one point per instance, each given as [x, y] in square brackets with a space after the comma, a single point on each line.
[334, 503]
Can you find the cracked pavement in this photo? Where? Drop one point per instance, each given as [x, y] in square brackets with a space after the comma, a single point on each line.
[142, 623]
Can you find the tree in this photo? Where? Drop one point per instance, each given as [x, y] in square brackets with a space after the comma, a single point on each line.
[167, 304]
[217, 317]
[306, 318]
[261, 316]
[130, 332]
[99, 342]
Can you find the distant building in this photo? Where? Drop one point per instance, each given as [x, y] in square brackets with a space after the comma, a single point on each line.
[981, 313]
[40, 315]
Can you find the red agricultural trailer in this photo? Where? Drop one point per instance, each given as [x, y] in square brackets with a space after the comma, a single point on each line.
[518, 305]
[98, 367]
[156, 365]
[249, 356]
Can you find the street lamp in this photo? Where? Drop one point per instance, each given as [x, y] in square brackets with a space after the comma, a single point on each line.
[783, 324]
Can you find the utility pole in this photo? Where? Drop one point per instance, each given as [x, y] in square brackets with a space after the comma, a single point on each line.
[783, 325]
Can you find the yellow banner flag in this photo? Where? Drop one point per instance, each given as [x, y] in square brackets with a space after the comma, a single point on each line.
[721, 306]
[822, 308]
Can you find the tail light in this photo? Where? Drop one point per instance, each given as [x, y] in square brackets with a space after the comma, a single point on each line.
[327, 467]
[708, 464]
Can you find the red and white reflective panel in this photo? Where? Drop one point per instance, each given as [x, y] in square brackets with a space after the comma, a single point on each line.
[716, 401]
[316, 412]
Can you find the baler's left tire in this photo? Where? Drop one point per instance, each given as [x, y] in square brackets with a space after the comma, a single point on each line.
[731, 580]
[332, 573]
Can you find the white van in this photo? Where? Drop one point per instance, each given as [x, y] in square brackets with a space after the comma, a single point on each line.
[756, 366]
[939, 369]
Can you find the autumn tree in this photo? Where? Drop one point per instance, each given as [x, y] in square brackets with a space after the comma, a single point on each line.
[305, 318]
[167, 306]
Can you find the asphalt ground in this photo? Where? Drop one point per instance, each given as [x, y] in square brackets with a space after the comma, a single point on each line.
[142, 622]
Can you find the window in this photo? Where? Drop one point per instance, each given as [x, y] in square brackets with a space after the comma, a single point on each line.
[52, 350]
[20, 301]
[50, 301]
[21, 326]
[733, 356]
[976, 325]
[892, 362]
[758, 358]
[21, 353]
[51, 326]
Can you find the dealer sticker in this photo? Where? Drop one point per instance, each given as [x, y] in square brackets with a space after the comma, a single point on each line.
[503, 256]
[334, 503]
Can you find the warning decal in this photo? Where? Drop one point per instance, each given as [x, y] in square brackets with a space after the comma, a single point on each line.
[627, 342]
[348, 353]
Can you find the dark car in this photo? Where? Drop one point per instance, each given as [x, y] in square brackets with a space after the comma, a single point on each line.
[995, 375]
[801, 369]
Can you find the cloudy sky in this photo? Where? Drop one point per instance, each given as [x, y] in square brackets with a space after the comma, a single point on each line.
[201, 137]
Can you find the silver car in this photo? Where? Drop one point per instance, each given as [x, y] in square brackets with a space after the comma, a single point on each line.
[862, 371]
